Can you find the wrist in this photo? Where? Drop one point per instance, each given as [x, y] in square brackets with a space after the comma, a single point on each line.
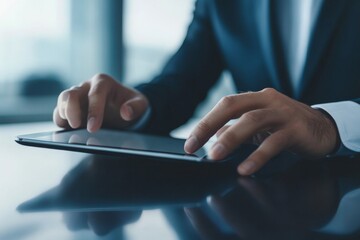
[333, 131]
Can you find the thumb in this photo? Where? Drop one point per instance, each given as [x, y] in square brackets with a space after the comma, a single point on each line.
[133, 108]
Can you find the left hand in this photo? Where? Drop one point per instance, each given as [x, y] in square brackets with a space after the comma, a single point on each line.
[290, 125]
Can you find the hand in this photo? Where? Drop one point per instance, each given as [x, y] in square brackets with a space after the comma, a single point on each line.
[288, 124]
[99, 102]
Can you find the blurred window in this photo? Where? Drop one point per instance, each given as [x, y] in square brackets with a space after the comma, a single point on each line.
[153, 30]
[34, 40]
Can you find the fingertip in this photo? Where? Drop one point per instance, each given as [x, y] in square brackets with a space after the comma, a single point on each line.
[133, 108]
[127, 112]
[62, 109]
[246, 168]
[130, 112]
[62, 103]
[217, 151]
[74, 124]
[58, 120]
[186, 148]
[191, 144]
[92, 125]
[242, 171]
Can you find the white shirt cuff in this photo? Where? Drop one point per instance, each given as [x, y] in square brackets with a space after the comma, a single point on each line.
[346, 115]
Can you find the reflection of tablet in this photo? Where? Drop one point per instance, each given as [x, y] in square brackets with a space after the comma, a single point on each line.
[103, 183]
[113, 142]
[140, 194]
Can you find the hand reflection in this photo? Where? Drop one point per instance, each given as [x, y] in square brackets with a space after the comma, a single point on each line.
[283, 207]
[99, 192]
[90, 178]
[101, 223]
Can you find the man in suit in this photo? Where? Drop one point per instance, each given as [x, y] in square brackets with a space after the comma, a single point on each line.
[285, 54]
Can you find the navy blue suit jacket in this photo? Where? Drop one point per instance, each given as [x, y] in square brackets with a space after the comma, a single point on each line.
[240, 36]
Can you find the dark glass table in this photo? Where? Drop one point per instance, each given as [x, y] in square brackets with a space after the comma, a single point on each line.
[50, 194]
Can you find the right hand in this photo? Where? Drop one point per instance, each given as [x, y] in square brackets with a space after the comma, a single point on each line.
[99, 102]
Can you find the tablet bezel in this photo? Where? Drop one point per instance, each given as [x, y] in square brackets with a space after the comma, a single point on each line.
[32, 140]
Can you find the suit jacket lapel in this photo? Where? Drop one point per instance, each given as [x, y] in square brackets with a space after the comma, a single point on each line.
[327, 25]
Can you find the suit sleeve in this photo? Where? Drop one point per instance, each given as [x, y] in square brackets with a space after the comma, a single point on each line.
[346, 115]
[186, 78]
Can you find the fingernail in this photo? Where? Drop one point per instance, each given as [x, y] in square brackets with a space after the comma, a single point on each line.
[191, 144]
[91, 124]
[130, 112]
[246, 168]
[217, 151]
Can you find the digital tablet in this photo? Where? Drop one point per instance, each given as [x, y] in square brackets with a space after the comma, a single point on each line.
[115, 143]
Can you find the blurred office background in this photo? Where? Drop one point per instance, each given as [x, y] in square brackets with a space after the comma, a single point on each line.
[49, 45]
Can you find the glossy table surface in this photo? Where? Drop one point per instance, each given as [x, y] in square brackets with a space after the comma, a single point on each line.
[52, 194]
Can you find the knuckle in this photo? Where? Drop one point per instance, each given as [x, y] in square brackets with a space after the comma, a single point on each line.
[270, 92]
[100, 77]
[97, 90]
[101, 84]
[102, 81]
[297, 127]
[64, 94]
[75, 88]
[74, 91]
[228, 101]
[65, 97]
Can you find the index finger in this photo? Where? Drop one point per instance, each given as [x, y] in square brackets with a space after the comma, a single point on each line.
[229, 107]
[98, 94]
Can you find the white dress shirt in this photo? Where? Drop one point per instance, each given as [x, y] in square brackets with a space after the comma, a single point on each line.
[297, 20]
